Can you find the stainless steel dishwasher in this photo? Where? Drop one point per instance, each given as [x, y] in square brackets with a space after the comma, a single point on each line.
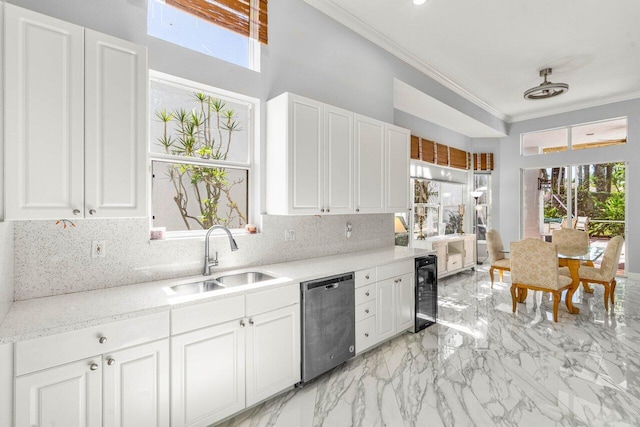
[328, 324]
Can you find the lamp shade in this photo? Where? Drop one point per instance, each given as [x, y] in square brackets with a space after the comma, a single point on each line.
[399, 226]
[476, 194]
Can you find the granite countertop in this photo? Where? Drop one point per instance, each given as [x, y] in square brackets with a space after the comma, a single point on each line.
[50, 315]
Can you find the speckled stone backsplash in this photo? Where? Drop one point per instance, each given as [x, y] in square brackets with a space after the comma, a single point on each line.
[53, 260]
[6, 267]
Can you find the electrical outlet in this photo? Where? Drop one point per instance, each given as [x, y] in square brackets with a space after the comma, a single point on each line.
[348, 230]
[98, 249]
[289, 235]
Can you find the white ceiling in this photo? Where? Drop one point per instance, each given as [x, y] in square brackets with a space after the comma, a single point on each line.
[490, 51]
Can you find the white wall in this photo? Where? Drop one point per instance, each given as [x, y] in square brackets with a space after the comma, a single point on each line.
[510, 163]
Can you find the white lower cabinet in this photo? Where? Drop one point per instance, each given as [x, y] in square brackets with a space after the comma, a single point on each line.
[405, 294]
[124, 388]
[69, 395]
[385, 309]
[208, 382]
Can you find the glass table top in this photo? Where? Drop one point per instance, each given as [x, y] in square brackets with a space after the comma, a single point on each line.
[590, 253]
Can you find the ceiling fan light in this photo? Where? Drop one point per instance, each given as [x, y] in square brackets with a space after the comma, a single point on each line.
[546, 89]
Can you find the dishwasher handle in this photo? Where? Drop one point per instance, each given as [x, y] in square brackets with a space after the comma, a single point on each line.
[332, 286]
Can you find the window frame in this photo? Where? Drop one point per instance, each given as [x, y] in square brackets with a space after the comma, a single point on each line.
[251, 165]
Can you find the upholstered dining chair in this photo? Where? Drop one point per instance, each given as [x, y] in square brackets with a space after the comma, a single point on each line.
[606, 274]
[498, 260]
[534, 265]
[570, 237]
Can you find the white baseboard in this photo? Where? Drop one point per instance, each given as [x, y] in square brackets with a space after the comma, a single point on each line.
[633, 276]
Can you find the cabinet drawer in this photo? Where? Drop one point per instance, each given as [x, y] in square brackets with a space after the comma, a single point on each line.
[206, 314]
[395, 269]
[53, 350]
[365, 293]
[365, 310]
[455, 262]
[365, 277]
[272, 299]
[365, 334]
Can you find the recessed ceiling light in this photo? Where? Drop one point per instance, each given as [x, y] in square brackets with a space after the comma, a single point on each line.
[419, 2]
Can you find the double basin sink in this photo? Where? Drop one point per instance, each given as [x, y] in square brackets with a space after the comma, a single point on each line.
[221, 282]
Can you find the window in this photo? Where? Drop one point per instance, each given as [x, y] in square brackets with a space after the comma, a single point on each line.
[482, 182]
[230, 30]
[201, 141]
[437, 208]
[590, 135]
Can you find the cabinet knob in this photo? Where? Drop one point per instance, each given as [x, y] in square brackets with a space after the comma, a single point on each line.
[251, 322]
[366, 311]
[76, 211]
[92, 211]
[357, 210]
[366, 334]
[102, 340]
[366, 277]
[400, 279]
[322, 210]
[242, 325]
[110, 362]
[328, 211]
[93, 367]
[366, 294]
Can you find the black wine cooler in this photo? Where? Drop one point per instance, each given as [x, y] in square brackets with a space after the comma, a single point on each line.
[426, 298]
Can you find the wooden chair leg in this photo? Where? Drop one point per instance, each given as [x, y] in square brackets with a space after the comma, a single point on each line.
[607, 290]
[556, 302]
[613, 290]
[501, 272]
[491, 274]
[513, 297]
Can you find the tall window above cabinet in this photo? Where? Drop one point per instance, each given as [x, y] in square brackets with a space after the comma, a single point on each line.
[76, 121]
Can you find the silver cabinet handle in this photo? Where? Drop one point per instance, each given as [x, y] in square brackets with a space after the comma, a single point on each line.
[366, 334]
[92, 211]
[242, 325]
[110, 362]
[93, 367]
[251, 322]
[366, 277]
[76, 211]
[366, 294]
[102, 340]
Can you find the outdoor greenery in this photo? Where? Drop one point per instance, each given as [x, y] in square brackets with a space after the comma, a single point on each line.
[203, 133]
[600, 192]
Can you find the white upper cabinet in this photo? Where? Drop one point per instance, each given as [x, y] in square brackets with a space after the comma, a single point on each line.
[325, 160]
[76, 121]
[115, 127]
[44, 107]
[369, 161]
[397, 153]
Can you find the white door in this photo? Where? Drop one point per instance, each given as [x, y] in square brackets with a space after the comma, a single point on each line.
[306, 156]
[338, 133]
[369, 165]
[136, 386]
[386, 309]
[44, 111]
[397, 153]
[115, 127]
[273, 352]
[68, 395]
[405, 294]
[469, 251]
[207, 374]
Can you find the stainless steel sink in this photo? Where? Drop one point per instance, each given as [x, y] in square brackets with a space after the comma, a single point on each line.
[221, 282]
[243, 278]
[197, 287]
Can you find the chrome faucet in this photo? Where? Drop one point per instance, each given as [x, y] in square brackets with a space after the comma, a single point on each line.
[208, 263]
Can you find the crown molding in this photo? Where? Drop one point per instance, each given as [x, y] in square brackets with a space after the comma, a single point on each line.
[575, 107]
[353, 23]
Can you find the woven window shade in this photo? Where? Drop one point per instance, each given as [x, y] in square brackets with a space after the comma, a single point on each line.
[483, 161]
[234, 15]
[428, 151]
[457, 158]
[442, 155]
[415, 147]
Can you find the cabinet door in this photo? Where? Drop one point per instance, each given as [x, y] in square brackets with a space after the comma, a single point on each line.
[136, 386]
[338, 133]
[305, 156]
[68, 395]
[441, 252]
[385, 309]
[273, 352]
[397, 152]
[207, 374]
[369, 161]
[469, 251]
[115, 127]
[405, 294]
[44, 95]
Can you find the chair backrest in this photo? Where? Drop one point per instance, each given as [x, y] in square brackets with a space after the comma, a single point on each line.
[565, 223]
[583, 223]
[494, 245]
[535, 263]
[570, 238]
[611, 257]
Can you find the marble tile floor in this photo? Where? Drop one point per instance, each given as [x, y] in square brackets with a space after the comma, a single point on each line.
[482, 365]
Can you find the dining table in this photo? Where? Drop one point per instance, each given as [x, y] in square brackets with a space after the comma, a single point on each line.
[572, 257]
